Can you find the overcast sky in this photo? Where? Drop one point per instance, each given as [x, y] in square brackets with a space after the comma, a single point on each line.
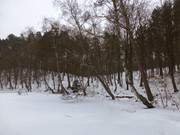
[16, 15]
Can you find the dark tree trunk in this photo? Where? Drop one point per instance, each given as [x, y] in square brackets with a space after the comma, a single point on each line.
[145, 82]
[88, 81]
[105, 85]
[173, 79]
[141, 82]
[142, 98]
[69, 82]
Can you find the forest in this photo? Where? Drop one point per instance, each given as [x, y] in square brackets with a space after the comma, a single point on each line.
[125, 38]
[102, 67]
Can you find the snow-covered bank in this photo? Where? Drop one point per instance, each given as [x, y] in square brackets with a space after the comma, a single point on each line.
[44, 114]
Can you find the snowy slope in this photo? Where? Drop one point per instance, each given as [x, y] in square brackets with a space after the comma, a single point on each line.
[45, 114]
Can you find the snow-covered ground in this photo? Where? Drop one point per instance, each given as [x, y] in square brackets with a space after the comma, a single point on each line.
[47, 114]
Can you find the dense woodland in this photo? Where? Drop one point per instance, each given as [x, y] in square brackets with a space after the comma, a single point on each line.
[109, 38]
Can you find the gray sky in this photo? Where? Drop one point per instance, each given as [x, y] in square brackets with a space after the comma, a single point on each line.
[17, 15]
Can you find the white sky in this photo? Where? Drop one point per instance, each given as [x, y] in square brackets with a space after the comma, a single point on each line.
[16, 15]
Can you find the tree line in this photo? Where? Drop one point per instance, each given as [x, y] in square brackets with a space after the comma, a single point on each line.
[125, 37]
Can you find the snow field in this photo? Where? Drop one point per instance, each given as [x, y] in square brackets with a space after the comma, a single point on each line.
[46, 114]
